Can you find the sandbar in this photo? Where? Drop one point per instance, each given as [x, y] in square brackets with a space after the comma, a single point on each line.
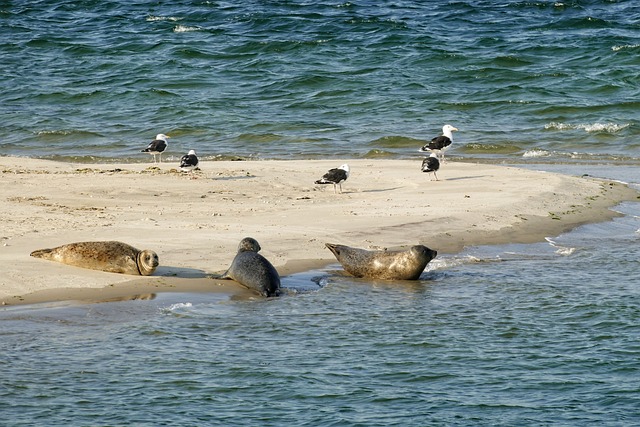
[195, 221]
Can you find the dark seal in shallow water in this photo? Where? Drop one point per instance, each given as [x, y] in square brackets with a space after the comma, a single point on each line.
[387, 265]
[252, 270]
[113, 257]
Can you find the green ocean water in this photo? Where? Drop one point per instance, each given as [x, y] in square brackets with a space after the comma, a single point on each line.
[539, 335]
[522, 80]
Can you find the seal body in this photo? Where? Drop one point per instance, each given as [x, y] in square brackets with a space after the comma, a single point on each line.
[113, 257]
[252, 270]
[387, 265]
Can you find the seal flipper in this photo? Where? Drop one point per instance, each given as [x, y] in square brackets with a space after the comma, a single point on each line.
[224, 276]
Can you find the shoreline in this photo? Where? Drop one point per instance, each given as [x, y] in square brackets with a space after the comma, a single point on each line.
[194, 222]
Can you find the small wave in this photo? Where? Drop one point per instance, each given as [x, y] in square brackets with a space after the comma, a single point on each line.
[565, 251]
[377, 154]
[54, 132]
[179, 305]
[605, 127]
[536, 153]
[446, 263]
[66, 132]
[489, 148]
[180, 309]
[560, 250]
[573, 155]
[259, 138]
[588, 127]
[152, 18]
[397, 142]
[185, 29]
[625, 47]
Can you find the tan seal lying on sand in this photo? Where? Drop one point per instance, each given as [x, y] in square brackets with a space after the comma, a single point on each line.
[113, 257]
[387, 265]
[252, 270]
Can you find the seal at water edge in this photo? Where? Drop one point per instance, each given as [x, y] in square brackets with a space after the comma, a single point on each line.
[383, 264]
[252, 270]
[113, 257]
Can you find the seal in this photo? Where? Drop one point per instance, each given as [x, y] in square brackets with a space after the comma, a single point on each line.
[252, 270]
[387, 265]
[113, 257]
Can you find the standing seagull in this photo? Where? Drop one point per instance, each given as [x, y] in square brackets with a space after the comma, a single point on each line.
[189, 162]
[157, 146]
[431, 164]
[441, 143]
[335, 176]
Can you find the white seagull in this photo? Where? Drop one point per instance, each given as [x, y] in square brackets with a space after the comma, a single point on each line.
[157, 146]
[335, 176]
[441, 143]
[431, 164]
[189, 161]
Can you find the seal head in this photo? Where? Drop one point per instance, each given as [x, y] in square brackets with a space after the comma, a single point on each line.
[147, 262]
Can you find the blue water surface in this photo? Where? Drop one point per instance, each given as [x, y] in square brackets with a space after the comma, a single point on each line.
[522, 80]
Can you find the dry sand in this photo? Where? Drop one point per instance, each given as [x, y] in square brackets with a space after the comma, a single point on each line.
[194, 222]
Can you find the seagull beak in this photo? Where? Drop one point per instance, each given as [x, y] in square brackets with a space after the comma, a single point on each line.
[454, 129]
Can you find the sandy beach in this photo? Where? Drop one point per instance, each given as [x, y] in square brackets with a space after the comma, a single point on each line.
[195, 221]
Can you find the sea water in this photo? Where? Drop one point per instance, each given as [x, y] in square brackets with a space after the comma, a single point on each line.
[537, 334]
[540, 334]
[521, 80]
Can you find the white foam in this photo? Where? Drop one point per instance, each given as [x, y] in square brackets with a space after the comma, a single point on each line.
[179, 305]
[152, 18]
[605, 127]
[588, 127]
[625, 46]
[54, 132]
[565, 251]
[449, 262]
[536, 153]
[561, 250]
[184, 29]
[558, 126]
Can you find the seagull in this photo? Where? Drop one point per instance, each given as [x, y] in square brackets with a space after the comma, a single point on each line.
[431, 164]
[157, 146]
[335, 176]
[189, 161]
[441, 143]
